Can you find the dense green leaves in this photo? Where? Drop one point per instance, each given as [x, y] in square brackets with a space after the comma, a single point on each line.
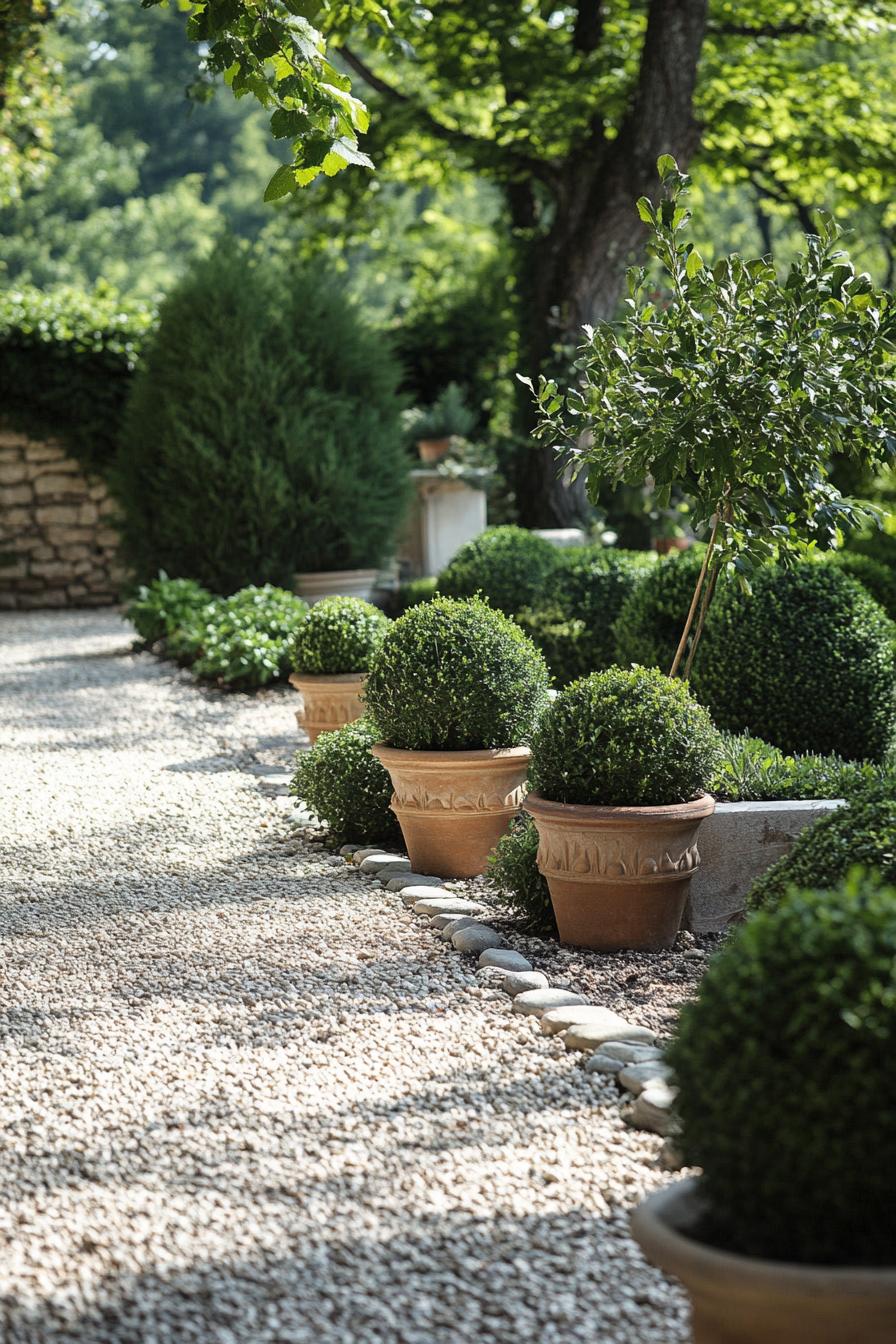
[505, 565]
[241, 642]
[786, 1095]
[753, 771]
[161, 607]
[624, 739]
[649, 624]
[344, 784]
[455, 676]
[513, 872]
[339, 635]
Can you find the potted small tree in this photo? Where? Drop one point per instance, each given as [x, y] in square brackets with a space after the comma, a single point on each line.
[436, 428]
[331, 654]
[620, 766]
[456, 689]
[786, 1098]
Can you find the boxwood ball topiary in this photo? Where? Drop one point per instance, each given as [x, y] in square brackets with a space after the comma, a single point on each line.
[339, 634]
[513, 872]
[877, 578]
[863, 831]
[455, 676]
[624, 738]
[506, 565]
[580, 599]
[653, 615]
[805, 661]
[786, 1091]
[345, 785]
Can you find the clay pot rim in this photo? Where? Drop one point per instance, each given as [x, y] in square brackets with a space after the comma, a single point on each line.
[404, 757]
[660, 1226]
[584, 814]
[342, 680]
[334, 574]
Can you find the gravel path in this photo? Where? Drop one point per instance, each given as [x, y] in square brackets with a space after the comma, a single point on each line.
[246, 1098]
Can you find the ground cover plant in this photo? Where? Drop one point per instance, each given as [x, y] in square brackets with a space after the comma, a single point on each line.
[338, 635]
[506, 565]
[456, 675]
[800, 1003]
[753, 771]
[344, 784]
[161, 607]
[862, 832]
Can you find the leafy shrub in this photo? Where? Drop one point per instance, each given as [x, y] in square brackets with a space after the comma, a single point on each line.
[411, 594]
[345, 785]
[67, 358]
[862, 831]
[577, 604]
[624, 738]
[805, 661]
[451, 676]
[513, 872]
[878, 544]
[786, 1096]
[449, 416]
[506, 565]
[753, 771]
[160, 607]
[339, 634]
[653, 615]
[262, 433]
[246, 640]
[878, 579]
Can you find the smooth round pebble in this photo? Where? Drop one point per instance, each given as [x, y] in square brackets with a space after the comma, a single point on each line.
[534, 1002]
[504, 959]
[517, 982]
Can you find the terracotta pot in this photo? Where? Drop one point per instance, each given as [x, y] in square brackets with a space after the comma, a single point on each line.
[618, 876]
[665, 545]
[454, 806]
[335, 583]
[736, 1299]
[433, 450]
[328, 702]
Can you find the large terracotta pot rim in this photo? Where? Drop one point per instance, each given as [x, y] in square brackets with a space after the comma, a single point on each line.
[323, 575]
[583, 814]
[406, 758]
[662, 1225]
[321, 679]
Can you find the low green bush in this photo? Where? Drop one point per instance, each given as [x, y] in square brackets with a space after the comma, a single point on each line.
[513, 872]
[345, 785]
[576, 606]
[653, 615]
[505, 565]
[786, 1094]
[339, 634]
[879, 579]
[160, 607]
[862, 831]
[451, 676]
[631, 738]
[806, 660]
[245, 641]
[411, 594]
[67, 359]
[753, 771]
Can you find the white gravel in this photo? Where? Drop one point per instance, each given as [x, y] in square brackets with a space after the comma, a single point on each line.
[247, 1097]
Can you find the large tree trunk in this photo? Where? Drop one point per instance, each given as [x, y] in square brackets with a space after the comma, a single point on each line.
[575, 273]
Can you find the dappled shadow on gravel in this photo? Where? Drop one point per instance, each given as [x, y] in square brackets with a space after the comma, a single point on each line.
[436, 1279]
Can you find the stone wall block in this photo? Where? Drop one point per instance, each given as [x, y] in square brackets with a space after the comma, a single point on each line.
[13, 473]
[10, 495]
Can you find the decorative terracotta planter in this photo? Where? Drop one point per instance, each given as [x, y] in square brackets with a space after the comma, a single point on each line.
[328, 702]
[454, 806]
[335, 583]
[736, 1299]
[433, 450]
[618, 876]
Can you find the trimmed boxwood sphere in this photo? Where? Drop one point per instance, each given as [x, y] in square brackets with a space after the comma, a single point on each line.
[453, 676]
[786, 1091]
[863, 831]
[624, 738]
[653, 615]
[877, 578]
[339, 634]
[805, 661]
[343, 782]
[505, 565]
[576, 606]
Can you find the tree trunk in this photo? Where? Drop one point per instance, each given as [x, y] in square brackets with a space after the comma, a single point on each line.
[574, 274]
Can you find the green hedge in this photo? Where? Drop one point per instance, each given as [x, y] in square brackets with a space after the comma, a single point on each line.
[67, 358]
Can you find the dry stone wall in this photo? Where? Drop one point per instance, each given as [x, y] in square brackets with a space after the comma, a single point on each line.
[57, 547]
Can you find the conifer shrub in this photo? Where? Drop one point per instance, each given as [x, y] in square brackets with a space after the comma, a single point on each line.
[339, 634]
[454, 676]
[262, 434]
[505, 565]
[785, 1092]
[624, 738]
[805, 660]
[344, 784]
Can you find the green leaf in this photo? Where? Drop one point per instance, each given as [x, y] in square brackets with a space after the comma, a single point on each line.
[282, 183]
[694, 263]
[646, 210]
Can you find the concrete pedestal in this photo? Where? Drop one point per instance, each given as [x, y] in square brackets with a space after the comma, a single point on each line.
[445, 513]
